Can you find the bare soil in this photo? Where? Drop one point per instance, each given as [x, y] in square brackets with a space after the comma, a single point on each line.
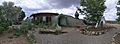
[113, 25]
[117, 39]
[10, 38]
[74, 37]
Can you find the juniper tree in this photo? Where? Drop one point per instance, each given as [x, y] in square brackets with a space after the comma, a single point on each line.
[77, 15]
[11, 12]
[118, 11]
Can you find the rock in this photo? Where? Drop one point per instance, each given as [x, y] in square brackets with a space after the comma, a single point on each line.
[93, 33]
[103, 32]
[100, 33]
[82, 32]
[85, 32]
[28, 34]
[96, 33]
[90, 32]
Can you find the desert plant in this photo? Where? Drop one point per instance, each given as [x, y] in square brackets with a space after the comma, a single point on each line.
[31, 37]
[1, 29]
[11, 12]
[25, 26]
[3, 24]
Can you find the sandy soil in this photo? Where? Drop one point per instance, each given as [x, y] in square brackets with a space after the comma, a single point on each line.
[9, 38]
[74, 37]
[114, 25]
[117, 39]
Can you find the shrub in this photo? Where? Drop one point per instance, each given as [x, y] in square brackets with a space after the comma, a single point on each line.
[31, 37]
[3, 25]
[25, 26]
[48, 25]
[1, 29]
[118, 22]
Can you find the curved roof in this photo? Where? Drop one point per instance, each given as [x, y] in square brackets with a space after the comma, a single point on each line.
[48, 13]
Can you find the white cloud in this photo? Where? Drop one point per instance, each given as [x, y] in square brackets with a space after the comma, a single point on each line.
[70, 11]
[110, 12]
[33, 6]
[6, 1]
[36, 4]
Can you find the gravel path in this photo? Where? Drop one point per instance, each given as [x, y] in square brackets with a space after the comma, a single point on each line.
[75, 37]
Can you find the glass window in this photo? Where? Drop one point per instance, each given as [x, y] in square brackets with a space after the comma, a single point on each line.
[44, 18]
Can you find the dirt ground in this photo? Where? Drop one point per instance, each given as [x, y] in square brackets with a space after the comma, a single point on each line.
[72, 37]
[75, 37]
[114, 25]
[117, 39]
[9, 38]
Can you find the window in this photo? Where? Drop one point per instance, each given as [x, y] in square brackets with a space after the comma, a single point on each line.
[44, 18]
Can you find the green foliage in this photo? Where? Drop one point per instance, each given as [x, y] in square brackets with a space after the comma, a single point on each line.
[31, 38]
[118, 2]
[118, 19]
[21, 16]
[46, 25]
[1, 29]
[25, 26]
[36, 22]
[43, 24]
[93, 9]
[11, 12]
[3, 24]
[118, 12]
[76, 15]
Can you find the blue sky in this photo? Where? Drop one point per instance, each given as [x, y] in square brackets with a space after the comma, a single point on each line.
[61, 6]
